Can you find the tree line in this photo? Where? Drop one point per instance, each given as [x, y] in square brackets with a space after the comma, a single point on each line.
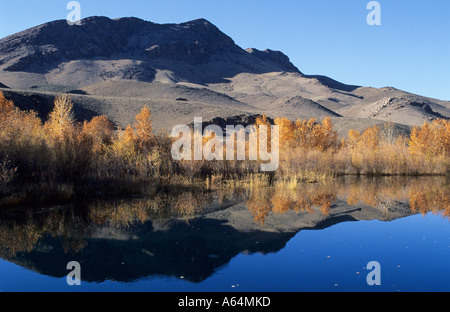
[61, 158]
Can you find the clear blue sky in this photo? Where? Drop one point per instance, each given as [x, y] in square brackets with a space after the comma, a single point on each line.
[410, 50]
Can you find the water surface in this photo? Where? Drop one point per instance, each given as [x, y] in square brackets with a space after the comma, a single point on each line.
[304, 237]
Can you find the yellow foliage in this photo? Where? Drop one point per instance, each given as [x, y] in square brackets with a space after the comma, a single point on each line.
[6, 107]
[64, 152]
[264, 121]
[100, 130]
[313, 135]
[143, 128]
[287, 132]
[431, 139]
[124, 145]
[61, 120]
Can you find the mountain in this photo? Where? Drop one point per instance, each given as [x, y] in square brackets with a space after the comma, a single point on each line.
[114, 66]
[131, 49]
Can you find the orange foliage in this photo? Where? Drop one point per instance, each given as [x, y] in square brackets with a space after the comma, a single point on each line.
[100, 130]
[143, 127]
[368, 141]
[281, 203]
[281, 200]
[124, 145]
[313, 135]
[6, 107]
[264, 121]
[259, 206]
[61, 120]
[287, 132]
[68, 152]
[329, 136]
[431, 139]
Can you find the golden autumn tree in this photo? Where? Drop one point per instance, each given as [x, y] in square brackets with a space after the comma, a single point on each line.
[124, 145]
[365, 150]
[100, 130]
[329, 135]
[7, 111]
[144, 129]
[310, 134]
[353, 139]
[264, 121]
[30, 126]
[316, 136]
[287, 132]
[431, 139]
[419, 139]
[303, 132]
[21, 138]
[61, 120]
[6, 107]
[441, 136]
[446, 139]
[370, 139]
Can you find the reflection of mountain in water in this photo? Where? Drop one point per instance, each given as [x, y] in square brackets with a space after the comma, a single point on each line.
[128, 240]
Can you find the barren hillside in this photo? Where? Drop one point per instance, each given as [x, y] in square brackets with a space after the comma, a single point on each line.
[182, 71]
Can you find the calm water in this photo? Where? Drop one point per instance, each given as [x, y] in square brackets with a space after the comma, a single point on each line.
[311, 237]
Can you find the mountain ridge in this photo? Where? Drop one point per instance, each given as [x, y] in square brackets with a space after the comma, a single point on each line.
[195, 42]
[105, 61]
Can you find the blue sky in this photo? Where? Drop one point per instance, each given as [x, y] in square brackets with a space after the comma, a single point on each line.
[410, 50]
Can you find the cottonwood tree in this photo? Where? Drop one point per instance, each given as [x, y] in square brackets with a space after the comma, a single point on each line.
[287, 132]
[61, 120]
[144, 129]
[431, 139]
[99, 130]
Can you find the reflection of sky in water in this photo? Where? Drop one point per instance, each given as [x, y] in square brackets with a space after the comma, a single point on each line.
[413, 252]
[264, 239]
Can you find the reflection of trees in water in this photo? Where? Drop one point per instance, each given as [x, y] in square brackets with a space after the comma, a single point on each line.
[16, 238]
[425, 195]
[425, 199]
[259, 204]
[280, 200]
[74, 224]
[21, 234]
[184, 204]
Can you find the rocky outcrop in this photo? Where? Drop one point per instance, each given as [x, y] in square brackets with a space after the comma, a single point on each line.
[244, 120]
[276, 57]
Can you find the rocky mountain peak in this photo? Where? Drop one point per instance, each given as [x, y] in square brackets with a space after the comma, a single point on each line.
[274, 56]
[193, 42]
[45, 47]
